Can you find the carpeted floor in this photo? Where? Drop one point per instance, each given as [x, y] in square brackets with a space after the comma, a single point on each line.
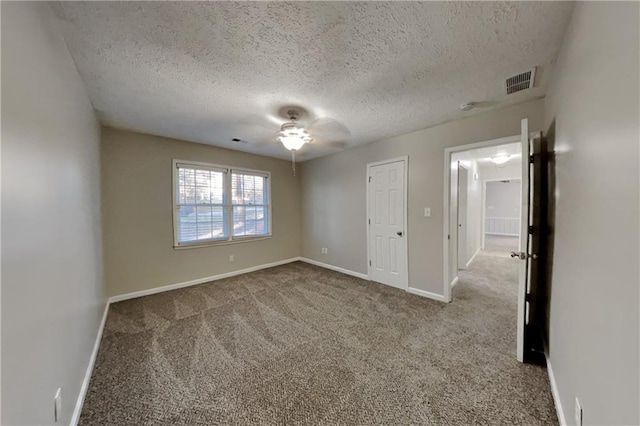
[298, 344]
[502, 243]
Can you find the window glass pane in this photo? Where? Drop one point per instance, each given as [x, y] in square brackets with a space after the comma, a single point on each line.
[201, 213]
[187, 230]
[249, 199]
[248, 189]
[219, 222]
[203, 186]
[262, 222]
[189, 186]
[203, 205]
[239, 221]
[217, 188]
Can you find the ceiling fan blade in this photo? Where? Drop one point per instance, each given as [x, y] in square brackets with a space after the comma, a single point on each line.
[258, 130]
[329, 144]
[262, 122]
[328, 129]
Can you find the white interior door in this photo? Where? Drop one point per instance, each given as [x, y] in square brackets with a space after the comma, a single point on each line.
[387, 212]
[524, 239]
[463, 182]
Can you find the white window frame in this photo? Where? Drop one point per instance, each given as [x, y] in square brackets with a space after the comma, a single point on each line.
[228, 205]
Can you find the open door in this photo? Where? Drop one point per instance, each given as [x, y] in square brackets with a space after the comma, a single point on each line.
[533, 254]
[523, 276]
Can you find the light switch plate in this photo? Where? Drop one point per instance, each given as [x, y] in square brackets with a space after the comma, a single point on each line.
[427, 212]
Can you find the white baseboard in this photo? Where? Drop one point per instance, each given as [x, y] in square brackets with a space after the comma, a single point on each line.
[556, 395]
[423, 293]
[411, 290]
[87, 376]
[472, 257]
[335, 268]
[454, 282]
[170, 287]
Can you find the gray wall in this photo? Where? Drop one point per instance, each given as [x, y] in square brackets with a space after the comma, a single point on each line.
[333, 192]
[52, 295]
[503, 199]
[138, 221]
[594, 337]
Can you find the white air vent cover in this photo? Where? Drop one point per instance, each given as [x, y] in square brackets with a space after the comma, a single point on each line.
[522, 81]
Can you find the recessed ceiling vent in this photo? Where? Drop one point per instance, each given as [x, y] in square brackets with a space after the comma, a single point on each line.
[521, 82]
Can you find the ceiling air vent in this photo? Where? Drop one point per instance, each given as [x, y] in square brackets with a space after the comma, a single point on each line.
[522, 81]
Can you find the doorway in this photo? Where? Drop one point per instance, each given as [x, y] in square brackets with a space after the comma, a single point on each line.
[494, 160]
[386, 222]
[501, 200]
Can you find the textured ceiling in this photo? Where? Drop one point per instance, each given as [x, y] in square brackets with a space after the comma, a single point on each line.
[209, 72]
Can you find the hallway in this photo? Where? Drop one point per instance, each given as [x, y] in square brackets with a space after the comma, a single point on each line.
[490, 285]
[500, 243]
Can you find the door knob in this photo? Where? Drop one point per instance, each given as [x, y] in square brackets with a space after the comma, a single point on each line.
[522, 255]
[399, 233]
[518, 255]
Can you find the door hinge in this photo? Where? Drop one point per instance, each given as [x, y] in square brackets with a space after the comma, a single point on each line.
[369, 263]
[448, 237]
[531, 159]
[369, 179]
[369, 221]
[531, 229]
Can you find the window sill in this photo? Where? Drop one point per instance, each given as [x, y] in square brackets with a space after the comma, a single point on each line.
[221, 242]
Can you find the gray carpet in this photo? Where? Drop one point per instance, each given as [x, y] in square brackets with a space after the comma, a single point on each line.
[298, 344]
[502, 243]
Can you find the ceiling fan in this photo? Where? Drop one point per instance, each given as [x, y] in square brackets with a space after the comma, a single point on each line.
[294, 135]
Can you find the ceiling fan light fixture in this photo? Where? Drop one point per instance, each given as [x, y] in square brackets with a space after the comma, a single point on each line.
[293, 137]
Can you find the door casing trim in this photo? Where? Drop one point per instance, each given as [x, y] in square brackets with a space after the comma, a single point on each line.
[448, 152]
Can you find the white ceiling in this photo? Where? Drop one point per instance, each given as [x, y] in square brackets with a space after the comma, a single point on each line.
[484, 155]
[209, 72]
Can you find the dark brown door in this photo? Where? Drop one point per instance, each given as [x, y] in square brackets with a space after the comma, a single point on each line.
[536, 297]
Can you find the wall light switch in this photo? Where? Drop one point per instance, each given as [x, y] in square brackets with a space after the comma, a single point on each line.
[427, 212]
[231, 258]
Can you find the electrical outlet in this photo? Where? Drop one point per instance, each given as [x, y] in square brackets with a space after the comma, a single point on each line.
[231, 258]
[57, 405]
[427, 212]
[325, 250]
[578, 413]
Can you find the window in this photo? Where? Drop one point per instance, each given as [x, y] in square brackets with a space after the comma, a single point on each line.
[218, 204]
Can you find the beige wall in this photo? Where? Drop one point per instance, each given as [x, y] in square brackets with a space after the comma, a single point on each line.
[333, 192]
[594, 335]
[137, 210]
[52, 294]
